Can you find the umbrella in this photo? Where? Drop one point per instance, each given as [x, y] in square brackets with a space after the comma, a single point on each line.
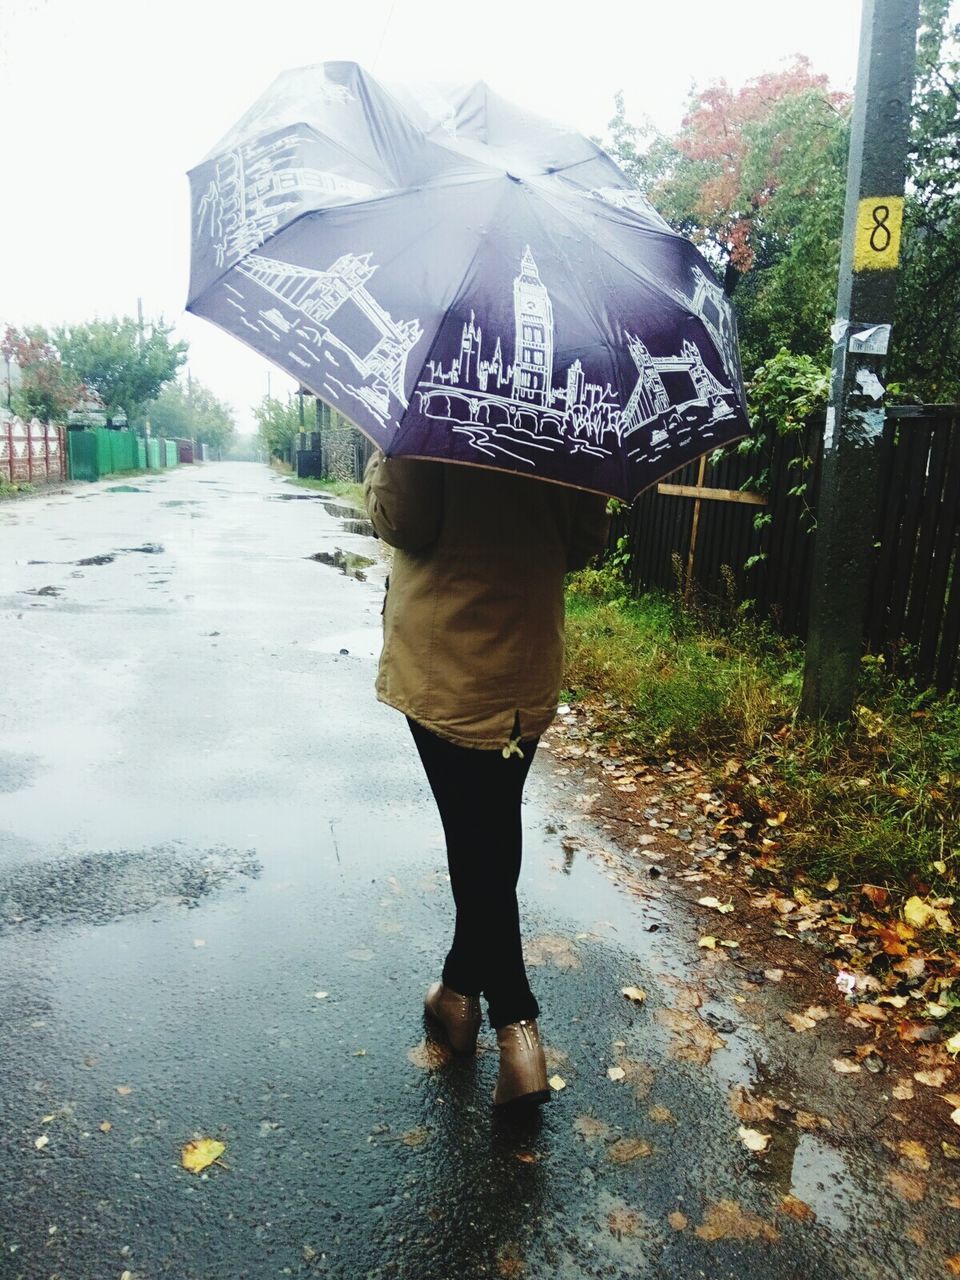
[464, 280]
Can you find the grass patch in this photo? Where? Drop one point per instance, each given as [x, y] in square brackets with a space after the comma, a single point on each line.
[348, 490]
[877, 800]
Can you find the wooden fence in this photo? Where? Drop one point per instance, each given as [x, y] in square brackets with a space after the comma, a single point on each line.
[913, 615]
[31, 452]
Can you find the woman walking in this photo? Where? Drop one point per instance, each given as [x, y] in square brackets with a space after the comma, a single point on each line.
[473, 656]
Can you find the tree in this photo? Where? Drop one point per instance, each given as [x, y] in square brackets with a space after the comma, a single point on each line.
[755, 178]
[278, 422]
[926, 346]
[124, 364]
[47, 390]
[193, 412]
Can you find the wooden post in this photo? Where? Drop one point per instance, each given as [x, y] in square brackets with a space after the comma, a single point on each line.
[701, 492]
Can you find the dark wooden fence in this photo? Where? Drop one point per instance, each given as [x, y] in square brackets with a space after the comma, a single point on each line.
[914, 610]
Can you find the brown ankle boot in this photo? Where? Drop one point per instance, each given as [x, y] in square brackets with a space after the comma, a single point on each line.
[523, 1068]
[458, 1016]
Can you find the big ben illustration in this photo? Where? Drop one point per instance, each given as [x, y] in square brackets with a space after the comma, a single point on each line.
[533, 343]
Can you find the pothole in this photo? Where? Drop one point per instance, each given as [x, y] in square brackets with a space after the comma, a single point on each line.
[347, 562]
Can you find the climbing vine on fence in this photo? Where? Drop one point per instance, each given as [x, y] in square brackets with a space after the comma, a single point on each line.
[783, 394]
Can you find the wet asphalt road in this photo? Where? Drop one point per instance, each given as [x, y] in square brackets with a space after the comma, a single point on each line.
[206, 820]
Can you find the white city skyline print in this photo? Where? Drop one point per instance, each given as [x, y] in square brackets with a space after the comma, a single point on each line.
[516, 410]
[257, 187]
[303, 302]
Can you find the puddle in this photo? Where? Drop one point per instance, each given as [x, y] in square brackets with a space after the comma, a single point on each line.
[180, 502]
[347, 562]
[340, 511]
[96, 560]
[44, 591]
[125, 488]
[363, 527]
[294, 497]
[148, 549]
[821, 1179]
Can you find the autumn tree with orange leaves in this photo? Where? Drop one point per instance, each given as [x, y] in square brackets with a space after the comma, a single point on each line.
[755, 178]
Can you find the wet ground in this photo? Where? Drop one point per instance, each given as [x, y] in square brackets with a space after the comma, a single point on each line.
[222, 895]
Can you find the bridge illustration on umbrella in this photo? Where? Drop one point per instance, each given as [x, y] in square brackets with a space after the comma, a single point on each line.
[503, 409]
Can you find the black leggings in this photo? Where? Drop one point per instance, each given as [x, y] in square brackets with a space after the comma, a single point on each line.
[478, 794]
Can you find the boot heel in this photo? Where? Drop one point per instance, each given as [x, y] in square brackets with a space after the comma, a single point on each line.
[523, 1069]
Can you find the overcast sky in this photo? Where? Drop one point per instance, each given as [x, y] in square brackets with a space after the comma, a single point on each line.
[106, 104]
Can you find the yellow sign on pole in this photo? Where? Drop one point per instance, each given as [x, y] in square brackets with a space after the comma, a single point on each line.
[877, 243]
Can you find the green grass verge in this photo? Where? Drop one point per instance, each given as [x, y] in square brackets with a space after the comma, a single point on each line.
[877, 800]
[349, 491]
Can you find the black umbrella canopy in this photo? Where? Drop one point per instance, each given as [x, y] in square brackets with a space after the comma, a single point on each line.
[464, 280]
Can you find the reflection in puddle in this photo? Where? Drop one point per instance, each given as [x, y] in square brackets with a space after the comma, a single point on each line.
[347, 562]
[820, 1178]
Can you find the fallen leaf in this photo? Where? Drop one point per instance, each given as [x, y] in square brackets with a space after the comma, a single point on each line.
[774, 975]
[627, 1149]
[800, 1021]
[105, 1126]
[753, 1139]
[41, 1142]
[662, 1115]
[716, 905]
[725, 1220]
[955, 1116]
[551, 949]
[708, 942]
[429, 1055]
[779, 820]
[845, 1067]
[902, 1091]
[526, 1157]
[200, 1153]
[915, 1153]
[935, 1079]
[952, 1265]
[950, 1151]
[636, 994]
[953, 1044]
[590, 1127]
[616, 1073]
[677, 1220]
[557, 1083]
[798, 1209]
[320, 995]
[907, 1186]
[751, 1110]
[415, 1137]
[623, 1222]
[124, 1089]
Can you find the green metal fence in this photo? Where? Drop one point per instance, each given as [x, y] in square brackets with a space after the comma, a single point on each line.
[82, 455]
[101, 452]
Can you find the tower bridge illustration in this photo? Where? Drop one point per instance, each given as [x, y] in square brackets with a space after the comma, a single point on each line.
[502, 407]
[258, 187]
[316, 297]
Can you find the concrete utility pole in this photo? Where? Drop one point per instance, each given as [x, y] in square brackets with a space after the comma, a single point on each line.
[849, 472]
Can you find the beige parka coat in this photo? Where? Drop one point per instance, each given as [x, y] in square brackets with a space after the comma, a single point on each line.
[474, 610]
